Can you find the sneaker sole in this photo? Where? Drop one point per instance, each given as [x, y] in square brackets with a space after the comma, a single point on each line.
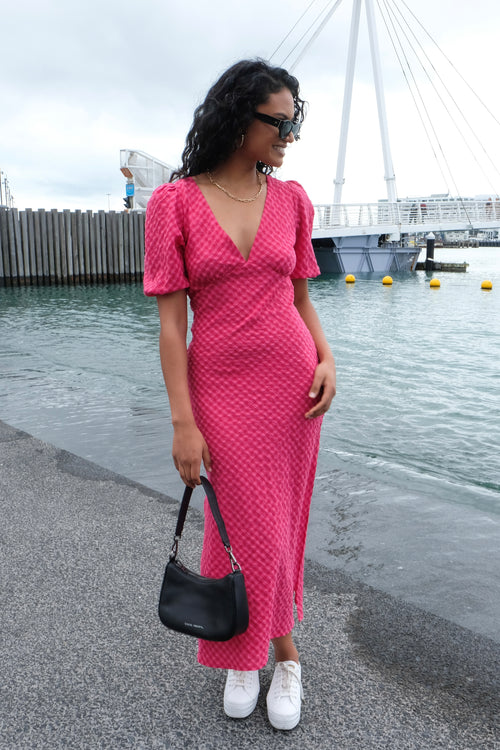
[283, 722]
[240, 711]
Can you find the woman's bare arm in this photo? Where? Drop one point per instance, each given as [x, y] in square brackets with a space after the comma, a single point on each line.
[189, 447]
[324, 382]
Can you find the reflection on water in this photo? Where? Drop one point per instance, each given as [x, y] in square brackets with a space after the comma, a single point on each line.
[407, 495]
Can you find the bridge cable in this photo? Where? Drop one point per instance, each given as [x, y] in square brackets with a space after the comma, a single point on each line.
[452, 65]
[328, 10]
[292, 29]
[315, 34]
[417, 107]
[462, 115]
[408, 41]
[459, 196]
[423, 103]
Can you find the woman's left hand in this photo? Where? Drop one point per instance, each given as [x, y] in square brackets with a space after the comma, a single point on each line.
[323, 385]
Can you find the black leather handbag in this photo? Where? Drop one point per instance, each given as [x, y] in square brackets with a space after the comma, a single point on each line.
[214, 609]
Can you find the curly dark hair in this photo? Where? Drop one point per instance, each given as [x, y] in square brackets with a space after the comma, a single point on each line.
[228, 110]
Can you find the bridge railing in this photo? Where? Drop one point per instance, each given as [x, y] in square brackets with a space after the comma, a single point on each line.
[329, 216]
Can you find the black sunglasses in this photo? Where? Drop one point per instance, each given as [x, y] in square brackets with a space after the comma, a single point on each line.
[285, 127]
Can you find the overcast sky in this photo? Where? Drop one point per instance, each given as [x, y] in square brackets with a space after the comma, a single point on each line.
[80, 81]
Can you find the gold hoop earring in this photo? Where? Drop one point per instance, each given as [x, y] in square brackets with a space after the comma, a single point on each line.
[242, 140]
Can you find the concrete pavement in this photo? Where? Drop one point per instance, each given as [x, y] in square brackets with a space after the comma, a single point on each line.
[85, 662]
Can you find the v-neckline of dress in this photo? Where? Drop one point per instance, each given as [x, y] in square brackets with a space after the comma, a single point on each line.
[244, 260]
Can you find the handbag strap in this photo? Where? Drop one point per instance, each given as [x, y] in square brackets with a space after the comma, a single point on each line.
[214, 507]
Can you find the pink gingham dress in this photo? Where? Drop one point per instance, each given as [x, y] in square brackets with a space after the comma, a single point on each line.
[251, 362]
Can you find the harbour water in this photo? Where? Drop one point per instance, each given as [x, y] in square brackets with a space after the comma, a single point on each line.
[407, 496]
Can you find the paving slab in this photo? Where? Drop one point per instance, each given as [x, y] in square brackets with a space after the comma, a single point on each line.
[85, 662]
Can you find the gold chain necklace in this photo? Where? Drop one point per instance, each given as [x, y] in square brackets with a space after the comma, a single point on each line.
[235, 197]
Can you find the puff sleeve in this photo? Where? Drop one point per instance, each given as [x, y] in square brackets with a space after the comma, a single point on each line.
[306, 265]
[164, 267]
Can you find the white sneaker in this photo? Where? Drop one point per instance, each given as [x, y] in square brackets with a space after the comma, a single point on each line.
[285, 696]
[241, 693]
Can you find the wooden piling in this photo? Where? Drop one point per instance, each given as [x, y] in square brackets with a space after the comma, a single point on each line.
[41, 246]
[92, 246]
[30, 239]
[44, 253]
[4, 248]
[100, 236]
[24, 242]
[12, 247]
[56, 241]
[80, 249]
[51, 248]
[86, 247]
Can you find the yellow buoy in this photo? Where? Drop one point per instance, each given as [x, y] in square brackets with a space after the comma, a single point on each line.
[486, 284]
[434, 283]
[387, 280]
[350, 278]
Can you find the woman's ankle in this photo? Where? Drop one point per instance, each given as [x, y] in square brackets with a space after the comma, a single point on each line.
[287, 657]
[284, 649]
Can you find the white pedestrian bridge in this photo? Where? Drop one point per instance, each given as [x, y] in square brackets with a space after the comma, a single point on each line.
[377, 237]
[405, 217]
[409, 216]
[357, 238]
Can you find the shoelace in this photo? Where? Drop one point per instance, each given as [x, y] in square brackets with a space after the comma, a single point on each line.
[238, 679]
[289, 681]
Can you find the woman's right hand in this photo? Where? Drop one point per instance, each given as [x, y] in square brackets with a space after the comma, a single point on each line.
[189, 449]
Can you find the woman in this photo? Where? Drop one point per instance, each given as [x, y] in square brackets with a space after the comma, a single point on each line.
[248, 394]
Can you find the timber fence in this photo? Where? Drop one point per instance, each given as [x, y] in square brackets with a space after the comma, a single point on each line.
[70, 247]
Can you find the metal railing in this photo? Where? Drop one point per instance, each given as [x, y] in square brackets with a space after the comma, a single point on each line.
[430, 213]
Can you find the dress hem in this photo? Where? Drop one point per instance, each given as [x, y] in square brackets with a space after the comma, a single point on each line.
[253, 666]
